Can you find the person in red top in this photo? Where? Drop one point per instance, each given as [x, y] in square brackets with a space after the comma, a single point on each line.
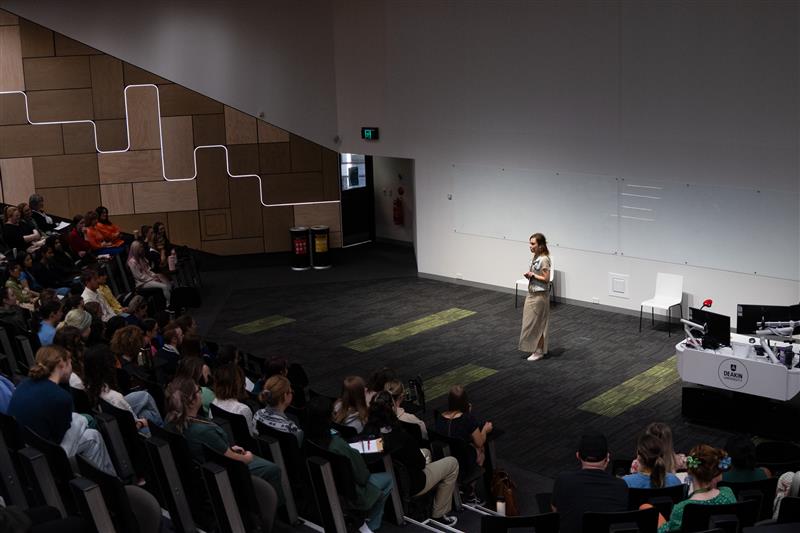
[96, 239]
[77, 243]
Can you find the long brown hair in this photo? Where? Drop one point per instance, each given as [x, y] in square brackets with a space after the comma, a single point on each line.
[650, 452]
[663, 432]
[47, 359]
[70, 338]
[180, 394]
[229, 382]
[541, 240]
[353, 399]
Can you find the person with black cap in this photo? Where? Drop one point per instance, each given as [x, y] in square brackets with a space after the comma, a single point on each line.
[590, 489]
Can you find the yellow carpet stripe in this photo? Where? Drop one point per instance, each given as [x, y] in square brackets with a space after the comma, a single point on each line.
[440, 385]
[262, 324]
[396, 333]
[632, 392]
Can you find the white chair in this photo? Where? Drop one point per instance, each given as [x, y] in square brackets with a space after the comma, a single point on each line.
[522, 283]
[669, 293]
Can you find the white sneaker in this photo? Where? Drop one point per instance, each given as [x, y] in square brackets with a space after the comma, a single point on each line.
[535, 356]
[364, 528]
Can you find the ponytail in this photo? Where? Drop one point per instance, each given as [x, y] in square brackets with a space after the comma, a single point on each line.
[47, 359]
[179, 394]
[658, 474]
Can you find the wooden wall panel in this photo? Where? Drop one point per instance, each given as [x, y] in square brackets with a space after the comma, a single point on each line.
[208, 129]
[56, 201]
[65, 104]
[178, 147]
[57, 73]
[277, 221]
[70, 47]
[132, 223]
[306, 156]
[36, 40]
[177, 100]
[17, 175]
[291, 188]
[28, 140]
[11, 71]
[112, 134]
[127, 167]
[157, 196]
[318, 215]
[267, 133]
[243, 158]
[65, 170]
[143, 118]
[331, 179]
[8, 19]
[234, 246]
[12, 109]
[184, 227]
[245, 208]
[107, 87]
[78, 139]
[274, 158]
[117, 198]
[83, 199]
[215, 224]
[135, 76]
[240, 128]
[212, 180]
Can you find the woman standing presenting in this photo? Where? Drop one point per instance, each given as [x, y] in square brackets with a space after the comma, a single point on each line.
[536, 313]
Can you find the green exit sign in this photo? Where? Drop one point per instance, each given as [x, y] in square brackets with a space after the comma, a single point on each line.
[370, 134]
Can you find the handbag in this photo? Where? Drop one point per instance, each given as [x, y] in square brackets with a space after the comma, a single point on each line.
[503, 488]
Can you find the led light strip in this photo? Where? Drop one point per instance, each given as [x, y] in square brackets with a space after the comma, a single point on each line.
[161, 143]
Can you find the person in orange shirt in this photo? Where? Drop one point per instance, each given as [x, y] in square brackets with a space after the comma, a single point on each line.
[110, 232]
[97, 239]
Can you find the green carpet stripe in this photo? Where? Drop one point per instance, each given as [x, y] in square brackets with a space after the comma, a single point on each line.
[616, 401]
[387, 336]
[262, 324]
[440, 385]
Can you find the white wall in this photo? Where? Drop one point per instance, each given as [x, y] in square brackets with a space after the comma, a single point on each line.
[273, 57]
[390, 174]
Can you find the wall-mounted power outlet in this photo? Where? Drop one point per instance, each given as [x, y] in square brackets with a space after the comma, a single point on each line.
[595, 300]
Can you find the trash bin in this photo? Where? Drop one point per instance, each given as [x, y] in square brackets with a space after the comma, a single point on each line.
[320, 256]
[300, 255]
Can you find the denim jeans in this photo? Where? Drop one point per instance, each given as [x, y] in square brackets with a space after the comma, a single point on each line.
[382, 481]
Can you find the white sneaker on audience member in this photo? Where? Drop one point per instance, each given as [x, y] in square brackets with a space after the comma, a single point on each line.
[364, 528]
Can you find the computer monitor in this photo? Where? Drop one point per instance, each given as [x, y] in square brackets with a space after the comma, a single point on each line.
[749, 317]
[718, 327]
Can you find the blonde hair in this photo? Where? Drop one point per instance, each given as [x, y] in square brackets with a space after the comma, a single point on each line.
[47, 359]
[396, 388]
[275, 390]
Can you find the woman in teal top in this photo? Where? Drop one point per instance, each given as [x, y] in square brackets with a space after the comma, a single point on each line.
[743, 461]
[705, 465]
[183, 405]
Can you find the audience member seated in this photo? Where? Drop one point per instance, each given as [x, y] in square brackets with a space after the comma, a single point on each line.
[96, 239]
[25, 261]
[398, 391]
[674, 462]
[228, 353]
[151, 334]
[6, 392]
[195, 369]
[705, 465]
[97, 331]
[377, 382]
[12, 316]
[91, 283]
[26, 222]
[144, 277]
[71, 339]
[78, 318]
[161, 244]
[44, 222]
[105, 291]
[77, 240]
[229, 393]
[40, 404]
[652, 473]
[742, 452]
[24, 296]
[14, 234]
[137, 311]
[47, 317]
[48, 273]
[277, 394]
[183, 416]
[100, 381]
[110, 233]
[590, 489]
[459, 423]
[127, 344]
[441, 474]
[168, 355]
[371, 489]
[146, 237]
[351, 407]
[73, 301]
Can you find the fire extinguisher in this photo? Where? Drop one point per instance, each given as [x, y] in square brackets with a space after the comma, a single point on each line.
[397, 211]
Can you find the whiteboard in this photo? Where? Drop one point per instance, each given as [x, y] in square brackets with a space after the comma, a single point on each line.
[570, 209]
[743, 230]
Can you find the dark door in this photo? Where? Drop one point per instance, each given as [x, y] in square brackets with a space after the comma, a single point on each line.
[358, 202]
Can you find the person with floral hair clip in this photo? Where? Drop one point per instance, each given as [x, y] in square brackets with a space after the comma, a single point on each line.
[705, 465]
